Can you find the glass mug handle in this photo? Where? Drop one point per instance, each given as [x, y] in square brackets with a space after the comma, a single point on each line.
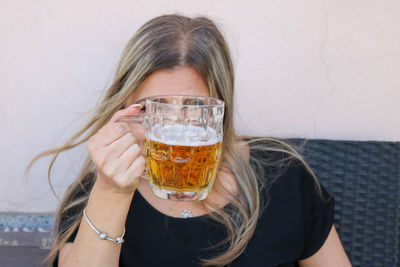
[137, 119]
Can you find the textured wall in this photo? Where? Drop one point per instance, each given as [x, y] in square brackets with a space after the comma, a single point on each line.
[312, 69]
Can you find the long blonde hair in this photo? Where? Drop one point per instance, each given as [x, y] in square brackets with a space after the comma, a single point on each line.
[164, 42]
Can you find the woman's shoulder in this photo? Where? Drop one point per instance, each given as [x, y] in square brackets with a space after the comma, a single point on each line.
[271, 158]
[284, 172]
[297, 209]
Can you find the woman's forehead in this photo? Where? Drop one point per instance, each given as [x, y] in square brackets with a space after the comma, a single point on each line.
[171, 81]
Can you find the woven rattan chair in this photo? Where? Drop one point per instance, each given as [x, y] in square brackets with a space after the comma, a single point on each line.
[364, 178]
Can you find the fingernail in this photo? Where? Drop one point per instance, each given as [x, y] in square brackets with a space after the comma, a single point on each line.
[136, 106]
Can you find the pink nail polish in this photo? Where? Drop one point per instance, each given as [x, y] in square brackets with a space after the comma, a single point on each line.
[136, 106]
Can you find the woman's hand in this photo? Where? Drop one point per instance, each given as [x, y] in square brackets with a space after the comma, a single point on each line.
[117, 155]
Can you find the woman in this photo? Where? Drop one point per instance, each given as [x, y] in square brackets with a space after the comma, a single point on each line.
[266, 207]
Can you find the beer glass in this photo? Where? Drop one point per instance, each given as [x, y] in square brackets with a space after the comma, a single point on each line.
[183, 142]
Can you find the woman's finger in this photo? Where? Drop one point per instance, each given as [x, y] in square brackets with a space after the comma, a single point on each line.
[137, 167]
[110, 133]
[117, 148]
[113, 130]
[129, 156]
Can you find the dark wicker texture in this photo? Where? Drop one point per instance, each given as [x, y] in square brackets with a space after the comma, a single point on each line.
[364, 178]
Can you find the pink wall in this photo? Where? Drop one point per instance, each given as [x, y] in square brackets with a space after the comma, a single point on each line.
[311, 69]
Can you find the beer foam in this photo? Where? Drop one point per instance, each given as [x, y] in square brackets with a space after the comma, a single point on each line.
[184, 135]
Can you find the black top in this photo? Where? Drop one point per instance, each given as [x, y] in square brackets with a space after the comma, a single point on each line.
[293, 226]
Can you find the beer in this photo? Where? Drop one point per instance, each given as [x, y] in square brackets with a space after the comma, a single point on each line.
[183, 142]
[182, 166]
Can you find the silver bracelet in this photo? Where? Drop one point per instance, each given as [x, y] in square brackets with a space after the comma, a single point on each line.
[102, 235]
